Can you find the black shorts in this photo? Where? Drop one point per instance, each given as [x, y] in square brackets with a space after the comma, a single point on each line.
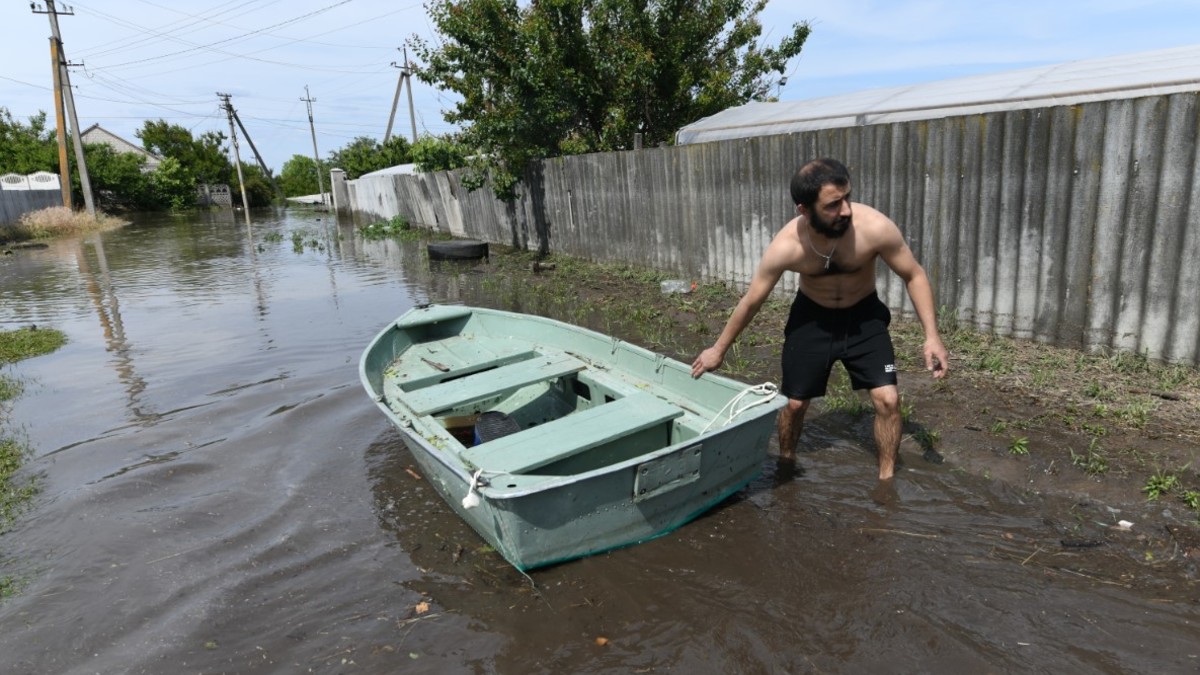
[815, 337]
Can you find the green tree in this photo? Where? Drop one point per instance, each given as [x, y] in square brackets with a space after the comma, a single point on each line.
[258, 187]
[27, 148]
[209, 162]
[558, 77]
[202, 158]
[299, 176]
[172, 185]
[365, 154]
[119, 179]
[438, 153]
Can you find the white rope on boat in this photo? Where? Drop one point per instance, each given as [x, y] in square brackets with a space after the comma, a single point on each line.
[767, 390]
[472, 498]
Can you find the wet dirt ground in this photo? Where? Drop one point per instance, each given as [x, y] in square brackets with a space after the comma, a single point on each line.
[219, 495]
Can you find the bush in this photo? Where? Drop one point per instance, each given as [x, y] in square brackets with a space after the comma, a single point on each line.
[57, 221]
[173, 185]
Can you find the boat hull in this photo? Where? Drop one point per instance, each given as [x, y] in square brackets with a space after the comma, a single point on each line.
[578, 506]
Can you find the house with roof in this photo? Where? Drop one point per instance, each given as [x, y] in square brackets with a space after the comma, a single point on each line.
[98, 134]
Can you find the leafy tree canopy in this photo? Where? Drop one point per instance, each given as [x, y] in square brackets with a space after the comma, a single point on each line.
[119, 181]
[202, 158]
[438, 153]
[172, 185]
[258, 187]
[299, 176]
[27, 148]
[559, 77]
[365, 154]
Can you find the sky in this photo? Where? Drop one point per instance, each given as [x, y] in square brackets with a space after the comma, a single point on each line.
[144, 60]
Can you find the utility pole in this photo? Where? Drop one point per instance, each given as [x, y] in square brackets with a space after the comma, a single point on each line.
[405, 77]
[316, 156]
[261, 163]
[60, 124]
[68, 96]
[237, 157]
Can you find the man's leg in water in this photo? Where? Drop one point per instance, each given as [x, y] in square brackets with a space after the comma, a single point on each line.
[791, 423]
[887, 428]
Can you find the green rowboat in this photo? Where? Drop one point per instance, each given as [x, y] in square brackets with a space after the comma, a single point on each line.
[556, 442]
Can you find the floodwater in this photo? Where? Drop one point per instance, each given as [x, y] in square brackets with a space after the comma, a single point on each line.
[219, 495]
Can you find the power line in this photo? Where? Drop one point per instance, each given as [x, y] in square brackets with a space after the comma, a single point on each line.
[161, 33]
[283, 37]
[128, 88]
[27, 84]
[230, 39]
[351, 69]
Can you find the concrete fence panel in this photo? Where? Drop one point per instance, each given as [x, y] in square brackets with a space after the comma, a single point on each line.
[16, 203]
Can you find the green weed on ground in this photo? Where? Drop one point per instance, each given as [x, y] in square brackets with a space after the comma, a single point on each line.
[15, 492]
[27, 342]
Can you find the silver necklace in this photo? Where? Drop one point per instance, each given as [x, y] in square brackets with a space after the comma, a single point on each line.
[828, 258]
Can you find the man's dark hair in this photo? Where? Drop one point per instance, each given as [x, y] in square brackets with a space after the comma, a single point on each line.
[808, 181]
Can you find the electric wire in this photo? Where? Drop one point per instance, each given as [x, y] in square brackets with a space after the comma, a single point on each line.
[164, 32]
[211, 45]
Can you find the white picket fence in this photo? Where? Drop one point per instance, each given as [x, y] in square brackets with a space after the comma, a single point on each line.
[42, 180]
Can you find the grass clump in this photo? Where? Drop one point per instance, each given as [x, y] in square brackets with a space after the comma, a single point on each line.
[399, 229]
[15, 491]
[25, 343]
[396, 228]
[1019, 446]
[1093, 462]
[9, 586]
[56, 221]
[1192, 499]
[1161, 482]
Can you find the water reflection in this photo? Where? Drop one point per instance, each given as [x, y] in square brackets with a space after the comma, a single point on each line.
[183, 305]
[108, 311]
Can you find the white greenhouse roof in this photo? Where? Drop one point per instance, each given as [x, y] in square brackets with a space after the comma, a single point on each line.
[401, 169]
[1158, 72]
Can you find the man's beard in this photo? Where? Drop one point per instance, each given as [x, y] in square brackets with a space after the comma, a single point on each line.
[833, 229]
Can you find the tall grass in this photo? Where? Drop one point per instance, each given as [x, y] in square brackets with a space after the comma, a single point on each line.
[56, 221]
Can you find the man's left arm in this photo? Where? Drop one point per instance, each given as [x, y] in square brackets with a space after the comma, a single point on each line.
[899, 257]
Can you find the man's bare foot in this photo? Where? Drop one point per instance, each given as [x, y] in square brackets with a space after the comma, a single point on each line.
[885, 493]
[786, 470]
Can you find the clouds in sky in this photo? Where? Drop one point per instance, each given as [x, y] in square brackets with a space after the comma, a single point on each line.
[862, 44]
[145, 59]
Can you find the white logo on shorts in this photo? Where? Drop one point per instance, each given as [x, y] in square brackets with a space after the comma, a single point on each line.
[889, 368]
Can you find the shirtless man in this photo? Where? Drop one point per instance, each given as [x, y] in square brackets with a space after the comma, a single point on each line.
[837, 315]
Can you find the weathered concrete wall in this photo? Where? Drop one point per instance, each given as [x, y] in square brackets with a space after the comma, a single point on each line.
[1074, 225]
[15, 203]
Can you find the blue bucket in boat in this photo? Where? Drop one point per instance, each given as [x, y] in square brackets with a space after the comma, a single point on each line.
[492, 425]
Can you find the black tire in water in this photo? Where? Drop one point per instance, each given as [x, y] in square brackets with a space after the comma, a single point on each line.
[458, 249]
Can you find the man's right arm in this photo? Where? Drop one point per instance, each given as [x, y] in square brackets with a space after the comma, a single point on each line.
[766, 276]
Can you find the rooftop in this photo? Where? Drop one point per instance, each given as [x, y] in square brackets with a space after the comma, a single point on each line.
[1158, 72]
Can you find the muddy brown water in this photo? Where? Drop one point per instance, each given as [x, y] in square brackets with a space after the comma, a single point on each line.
[219, 495]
